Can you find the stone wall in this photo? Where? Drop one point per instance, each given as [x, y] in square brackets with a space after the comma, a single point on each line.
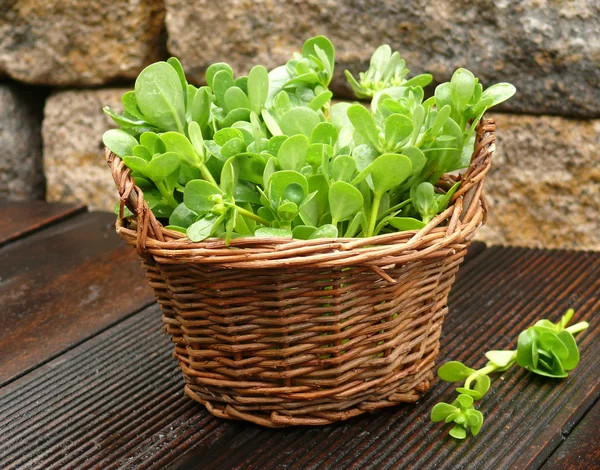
[544, 185]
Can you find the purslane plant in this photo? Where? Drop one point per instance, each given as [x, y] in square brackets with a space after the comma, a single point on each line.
[268, 155]
[547, 349]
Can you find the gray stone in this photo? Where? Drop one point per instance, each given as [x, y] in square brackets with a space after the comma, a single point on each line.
[79, 42]
[549, 50]
[544, 185]
[74, 163]
[21, 176]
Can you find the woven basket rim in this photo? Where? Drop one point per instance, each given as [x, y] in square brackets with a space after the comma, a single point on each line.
[466, 212]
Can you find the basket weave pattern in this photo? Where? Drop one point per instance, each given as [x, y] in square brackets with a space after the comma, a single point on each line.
[287, 332]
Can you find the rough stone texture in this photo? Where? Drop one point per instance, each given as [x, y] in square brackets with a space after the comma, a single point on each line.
[544, 186]
[549, 50]
[79, 42]
[73, 150]
[21, 176]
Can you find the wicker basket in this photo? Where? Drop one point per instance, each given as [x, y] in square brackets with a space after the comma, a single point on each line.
[290, 332]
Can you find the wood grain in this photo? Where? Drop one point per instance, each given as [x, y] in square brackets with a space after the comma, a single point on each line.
[581, 450]
[18, 219]
[63, 285]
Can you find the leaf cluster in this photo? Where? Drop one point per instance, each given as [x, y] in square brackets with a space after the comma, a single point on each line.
[268, 155]
[547, 349]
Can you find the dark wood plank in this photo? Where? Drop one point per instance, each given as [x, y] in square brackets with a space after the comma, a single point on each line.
[21, 218]
[117, 399]
[581, 450]
[62, 285]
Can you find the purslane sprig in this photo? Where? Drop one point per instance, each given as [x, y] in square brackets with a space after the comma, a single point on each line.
[546, 348]
[268, 155]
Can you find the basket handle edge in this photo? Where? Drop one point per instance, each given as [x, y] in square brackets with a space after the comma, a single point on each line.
[132, 197]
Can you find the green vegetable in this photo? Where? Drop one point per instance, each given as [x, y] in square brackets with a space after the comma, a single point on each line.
[546, 348]
[268, 155]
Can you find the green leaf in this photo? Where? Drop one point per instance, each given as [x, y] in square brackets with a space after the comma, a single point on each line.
[119, 142]
[174, 62]
[419, 80]
[344, 201]
[225, 135]
[475, 421]
[417, 158]
[258, 87]
[550, 341]
[136, 164]
[443, 95]
[142, 152]
[287, 211]
[573, 356]
[320, 100]
[246, 194]
[152, 142]
[299, 121]
[179, 144]
[229, 177]
[287, 184]
[222, 81]
[482, 385]
[462, 88]
[233, 147]
[182, 216]
[465, 401]
[441, 411]
[398, 129]
[197, 193]
[500, 92]
[200, 107]
[458, 432]
[423, 200]
[271, 123]
[235, 98]
[308, 48]
[160, 96]
[292, 153]
[406, 223]
[203, 228]
[130, 105]
[196, 140]
[319, 154]
[440, 120]
[387, 171]
[162, 166]
[364, 155]
[454, 371]
[303, 232]
[325, 231]
[242, 82]
[500, 359]
[251, 167]
[343, 168]
[213, 69]
[273, 232]
[355, 225]
[364, 123]
[324, 133]
[525, 349]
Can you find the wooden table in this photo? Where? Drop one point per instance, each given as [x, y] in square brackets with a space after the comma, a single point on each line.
[87, 379]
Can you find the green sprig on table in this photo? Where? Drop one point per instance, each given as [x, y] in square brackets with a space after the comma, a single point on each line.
[268, 155]
[546, 348]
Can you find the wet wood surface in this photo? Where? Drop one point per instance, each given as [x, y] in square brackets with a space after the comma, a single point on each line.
[61, 285]
[90, 382]
[20, 219]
